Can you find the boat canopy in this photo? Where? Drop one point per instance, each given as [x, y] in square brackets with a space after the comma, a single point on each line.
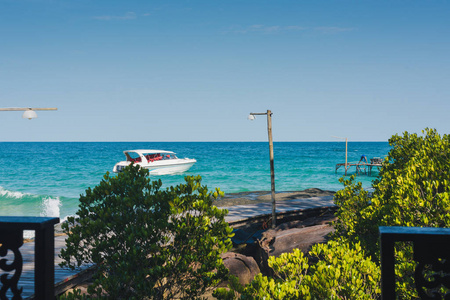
[147, 156]
[142, 152]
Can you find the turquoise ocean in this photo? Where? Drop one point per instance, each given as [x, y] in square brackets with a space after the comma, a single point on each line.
[47, 178]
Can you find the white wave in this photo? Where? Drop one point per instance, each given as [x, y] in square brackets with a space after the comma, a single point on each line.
[50, 207]
[28, 234]
[11, 194]
[66, 217]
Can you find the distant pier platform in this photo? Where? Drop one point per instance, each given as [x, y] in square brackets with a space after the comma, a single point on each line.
[362, 167]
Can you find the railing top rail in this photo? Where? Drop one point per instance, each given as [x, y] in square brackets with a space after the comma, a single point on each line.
[414, 230]
[400, 233]
[26, 223]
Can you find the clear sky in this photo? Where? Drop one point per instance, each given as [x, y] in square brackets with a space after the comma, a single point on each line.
[193, 70]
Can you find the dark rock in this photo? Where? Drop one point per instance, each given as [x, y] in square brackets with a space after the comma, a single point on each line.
[245, 237]
[275, 242]
[241, 266]
[316, 220]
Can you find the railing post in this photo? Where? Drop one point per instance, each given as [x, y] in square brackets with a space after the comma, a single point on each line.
[44, 263]
[431, 252]
[387, 266]
[11, 239]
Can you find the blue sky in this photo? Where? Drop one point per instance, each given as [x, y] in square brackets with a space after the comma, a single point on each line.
[193, 70]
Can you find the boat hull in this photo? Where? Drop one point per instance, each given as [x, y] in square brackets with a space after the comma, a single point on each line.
[169, 169]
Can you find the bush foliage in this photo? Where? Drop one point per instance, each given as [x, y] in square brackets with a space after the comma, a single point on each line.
[412, 189]
[148, 242]
[333, 271]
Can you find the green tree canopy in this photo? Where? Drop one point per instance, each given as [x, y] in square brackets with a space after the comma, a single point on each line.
[148, 242]
[412, 189]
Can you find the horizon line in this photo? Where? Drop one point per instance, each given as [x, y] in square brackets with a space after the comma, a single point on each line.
[352, 141]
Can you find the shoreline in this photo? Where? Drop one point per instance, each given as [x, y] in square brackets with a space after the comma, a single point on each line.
[245, 198]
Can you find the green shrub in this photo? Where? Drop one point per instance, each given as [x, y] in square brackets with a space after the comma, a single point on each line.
[342, 271]
[412, 189]
[335, 270]
[148, 242]
[354, 216]
[289, 270]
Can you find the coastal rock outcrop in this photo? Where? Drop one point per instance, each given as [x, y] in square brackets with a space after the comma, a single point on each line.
[276, 241]
[241, 266]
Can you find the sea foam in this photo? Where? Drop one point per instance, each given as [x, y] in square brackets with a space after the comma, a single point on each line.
[51, 207]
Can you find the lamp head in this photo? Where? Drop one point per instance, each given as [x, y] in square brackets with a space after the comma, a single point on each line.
[251, 117]
[29, 114]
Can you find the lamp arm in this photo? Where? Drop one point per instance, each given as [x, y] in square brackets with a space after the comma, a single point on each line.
[26, 108]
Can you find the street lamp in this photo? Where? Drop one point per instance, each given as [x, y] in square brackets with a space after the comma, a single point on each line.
[30, 113]
[251, 117]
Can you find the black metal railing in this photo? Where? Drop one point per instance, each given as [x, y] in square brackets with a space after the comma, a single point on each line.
[11, 239]
[431, 252]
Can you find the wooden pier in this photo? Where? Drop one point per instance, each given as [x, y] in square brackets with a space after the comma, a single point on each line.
[361, 167]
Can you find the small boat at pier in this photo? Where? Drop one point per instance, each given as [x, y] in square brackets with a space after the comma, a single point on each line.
[158, 162]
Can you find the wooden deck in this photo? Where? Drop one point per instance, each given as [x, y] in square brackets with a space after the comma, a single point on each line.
[63, 277]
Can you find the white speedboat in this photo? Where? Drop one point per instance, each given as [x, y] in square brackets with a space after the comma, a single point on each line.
[158, 162]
